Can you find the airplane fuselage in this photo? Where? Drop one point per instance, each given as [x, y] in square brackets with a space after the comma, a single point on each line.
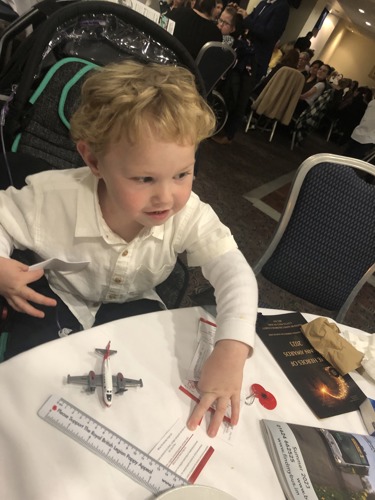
[107, 378]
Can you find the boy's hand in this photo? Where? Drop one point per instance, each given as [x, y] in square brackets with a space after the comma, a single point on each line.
[14, 278]
[221, 381]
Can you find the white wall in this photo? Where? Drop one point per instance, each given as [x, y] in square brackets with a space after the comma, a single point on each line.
[351, 54]
[320, 41]
[303, 19]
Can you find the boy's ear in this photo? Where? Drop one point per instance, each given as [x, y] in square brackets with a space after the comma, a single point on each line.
[88, 157]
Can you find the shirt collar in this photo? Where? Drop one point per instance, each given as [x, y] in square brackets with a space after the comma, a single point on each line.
[89, 214]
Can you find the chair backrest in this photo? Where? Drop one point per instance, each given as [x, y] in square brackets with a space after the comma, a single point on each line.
[323, 250]
[279, 98]
[213, 61]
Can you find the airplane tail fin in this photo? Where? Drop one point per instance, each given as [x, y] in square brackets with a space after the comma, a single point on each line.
[107, 351]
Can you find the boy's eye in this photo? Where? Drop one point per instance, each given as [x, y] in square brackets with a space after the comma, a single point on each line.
[181, 175]
[144, 180]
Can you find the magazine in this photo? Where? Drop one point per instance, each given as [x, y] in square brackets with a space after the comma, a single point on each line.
[317, 464]
[323, 389]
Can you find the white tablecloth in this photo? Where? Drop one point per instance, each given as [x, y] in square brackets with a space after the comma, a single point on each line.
[37, 462]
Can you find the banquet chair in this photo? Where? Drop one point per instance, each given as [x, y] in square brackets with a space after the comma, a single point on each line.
[370, 155]
[323, 249]
[279, 98]
[214, 60]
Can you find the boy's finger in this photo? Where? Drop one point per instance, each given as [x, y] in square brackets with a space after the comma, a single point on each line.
[217, 417]
[235, 409]
[199, 411]
[33, 275]
[38, 298]
[23, 306]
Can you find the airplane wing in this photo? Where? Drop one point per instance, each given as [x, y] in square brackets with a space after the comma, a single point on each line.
[91, 380]
[122, 384]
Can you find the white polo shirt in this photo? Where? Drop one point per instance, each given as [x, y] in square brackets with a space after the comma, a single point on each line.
[57, 214]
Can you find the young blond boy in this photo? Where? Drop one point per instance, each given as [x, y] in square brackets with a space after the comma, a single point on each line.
[129, 213]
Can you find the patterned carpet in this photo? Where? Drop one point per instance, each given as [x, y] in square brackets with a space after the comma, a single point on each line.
[246, 183]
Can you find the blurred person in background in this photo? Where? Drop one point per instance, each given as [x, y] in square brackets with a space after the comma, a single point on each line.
[311, 77]
[264, 27]
[362, 139]
[194, 26]
[308, 98]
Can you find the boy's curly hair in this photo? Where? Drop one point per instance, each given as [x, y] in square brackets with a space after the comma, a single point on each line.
[129, 99]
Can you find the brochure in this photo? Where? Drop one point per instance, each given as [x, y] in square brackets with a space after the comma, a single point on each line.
[323, 389]
[316, 464]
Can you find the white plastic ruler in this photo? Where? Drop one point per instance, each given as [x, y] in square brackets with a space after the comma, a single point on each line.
[108, 445]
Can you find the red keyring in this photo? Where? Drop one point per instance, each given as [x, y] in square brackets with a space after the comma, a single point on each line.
[265, 398]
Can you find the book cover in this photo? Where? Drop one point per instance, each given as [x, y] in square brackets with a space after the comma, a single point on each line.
[316, 464]
[324, 390]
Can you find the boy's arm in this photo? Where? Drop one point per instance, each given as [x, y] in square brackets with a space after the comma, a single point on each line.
[236, 295]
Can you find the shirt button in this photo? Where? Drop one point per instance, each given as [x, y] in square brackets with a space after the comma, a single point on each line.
[125, 253]
[117, 280]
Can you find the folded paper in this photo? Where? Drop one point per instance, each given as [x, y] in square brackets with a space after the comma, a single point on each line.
[365, 343]
[325, 338]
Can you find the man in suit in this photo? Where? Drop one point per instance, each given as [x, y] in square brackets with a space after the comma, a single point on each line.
[265, 25]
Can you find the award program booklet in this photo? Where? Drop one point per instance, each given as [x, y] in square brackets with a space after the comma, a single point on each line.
[323, 389]
[317, 464]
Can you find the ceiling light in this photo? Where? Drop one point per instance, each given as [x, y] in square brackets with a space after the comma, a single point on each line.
[361, 11]
[368, 24]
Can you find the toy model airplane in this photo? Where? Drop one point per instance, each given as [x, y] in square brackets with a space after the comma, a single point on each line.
[106, 380]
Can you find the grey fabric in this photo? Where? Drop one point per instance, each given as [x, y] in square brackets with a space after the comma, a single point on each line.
[329, 242]
[44, 135]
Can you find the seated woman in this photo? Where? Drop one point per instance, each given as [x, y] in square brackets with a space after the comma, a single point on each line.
[308, 98]
[311, 79]
[194, 27]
